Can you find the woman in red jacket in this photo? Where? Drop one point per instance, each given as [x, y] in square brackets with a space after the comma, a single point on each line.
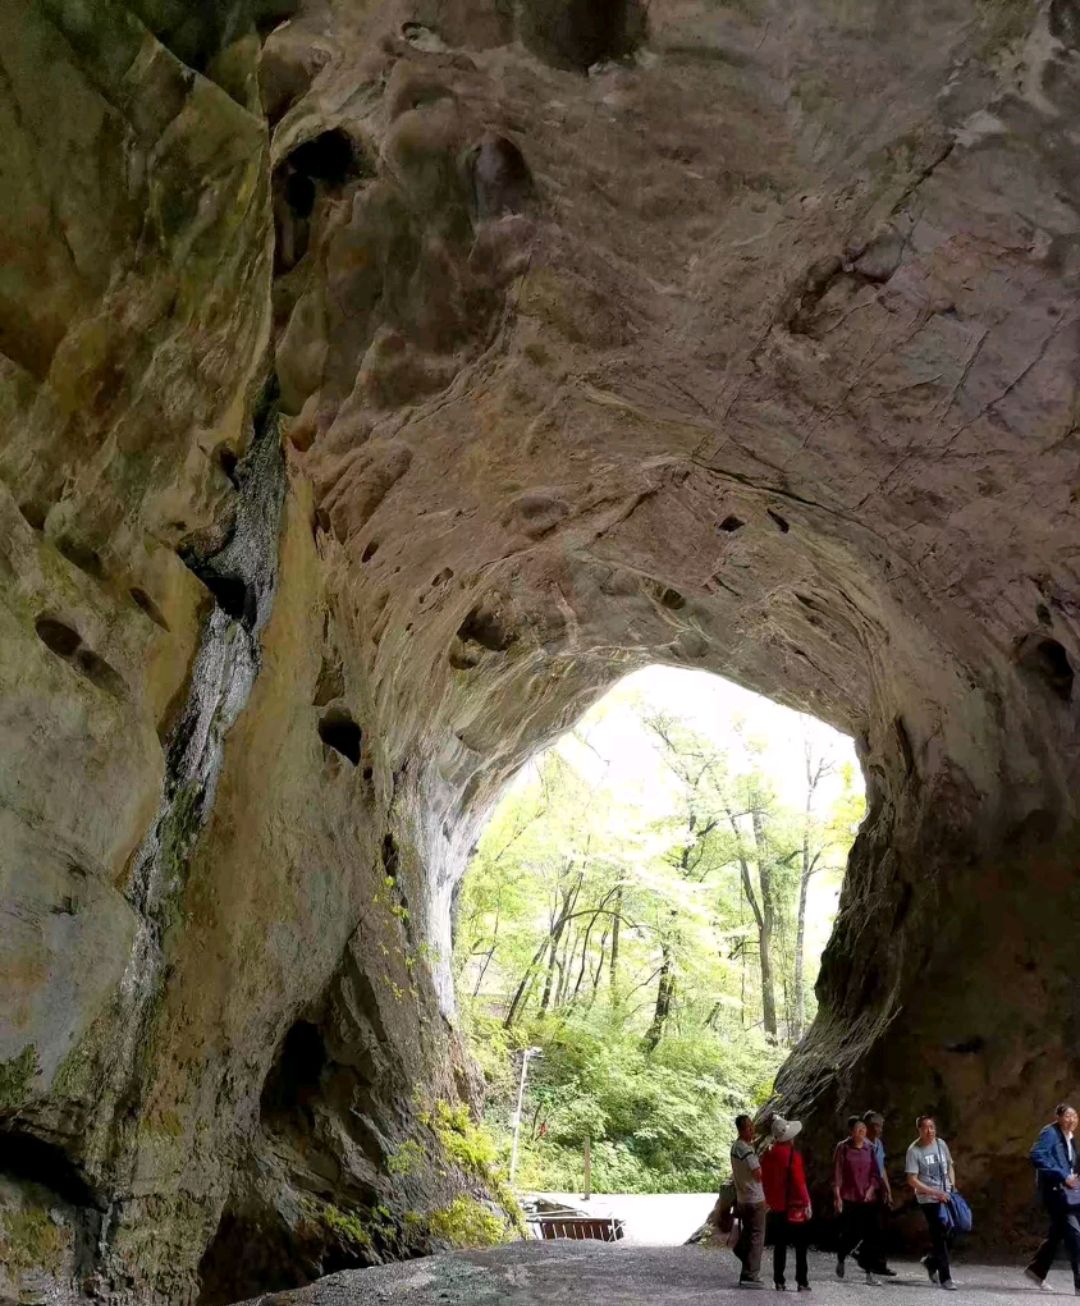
[788, 1199]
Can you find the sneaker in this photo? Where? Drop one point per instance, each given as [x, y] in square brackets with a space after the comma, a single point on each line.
[780, 1287]
[839, 1267]
[885, 1272]
[924, 1261]
[1041, 1284]
[950, 1285]
[751, 1283]
[872, 1281]
[805, 1287]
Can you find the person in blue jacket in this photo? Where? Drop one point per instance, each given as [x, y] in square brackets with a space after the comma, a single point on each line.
[1057, 1172]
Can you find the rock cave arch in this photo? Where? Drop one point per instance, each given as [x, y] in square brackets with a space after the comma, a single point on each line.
[758, 355]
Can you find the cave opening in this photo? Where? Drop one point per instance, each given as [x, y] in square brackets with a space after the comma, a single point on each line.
[647, 906]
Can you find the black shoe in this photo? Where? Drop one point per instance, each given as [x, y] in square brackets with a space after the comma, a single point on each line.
[885, 1272]
[839, 1267]
[804, 1287]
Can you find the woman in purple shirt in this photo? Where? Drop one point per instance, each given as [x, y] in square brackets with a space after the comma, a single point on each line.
[856, 1189]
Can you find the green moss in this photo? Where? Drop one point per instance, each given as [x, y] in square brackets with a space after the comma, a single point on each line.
[17, 1075]
[470, 1146]
[466, 1223]
[1004, 22]
[30, 1241]
[347, 1227]
[406, 1159]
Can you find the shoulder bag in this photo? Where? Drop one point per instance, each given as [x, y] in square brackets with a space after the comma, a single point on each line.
[955, 1213]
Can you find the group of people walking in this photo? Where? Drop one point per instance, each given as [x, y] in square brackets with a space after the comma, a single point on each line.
[772, 1197]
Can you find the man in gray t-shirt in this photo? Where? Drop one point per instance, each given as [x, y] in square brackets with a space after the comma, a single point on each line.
[931, 1177]
[932, 1164]
[750, 1202]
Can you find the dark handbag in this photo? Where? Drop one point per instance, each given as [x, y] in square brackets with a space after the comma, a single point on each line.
[728, 1197]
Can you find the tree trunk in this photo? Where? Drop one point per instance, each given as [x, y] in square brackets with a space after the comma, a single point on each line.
[613, 966]
[767, 925]
[519, 994]
[665, 994]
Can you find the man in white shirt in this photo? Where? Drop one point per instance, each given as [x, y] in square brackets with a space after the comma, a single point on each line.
[749, 1203]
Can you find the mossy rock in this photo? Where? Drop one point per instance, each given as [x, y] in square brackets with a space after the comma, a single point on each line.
[17, 1077]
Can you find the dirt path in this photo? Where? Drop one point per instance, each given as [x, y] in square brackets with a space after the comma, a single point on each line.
[596, 1274]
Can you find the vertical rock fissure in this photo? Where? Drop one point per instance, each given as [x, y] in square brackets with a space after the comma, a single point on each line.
[223, 674]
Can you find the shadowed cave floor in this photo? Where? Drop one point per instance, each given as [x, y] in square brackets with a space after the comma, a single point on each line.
[543, 1274]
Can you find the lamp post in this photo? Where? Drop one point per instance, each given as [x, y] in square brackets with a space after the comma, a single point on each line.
[529, 1052]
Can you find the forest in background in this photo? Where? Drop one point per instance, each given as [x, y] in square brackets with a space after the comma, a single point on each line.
[654, 953]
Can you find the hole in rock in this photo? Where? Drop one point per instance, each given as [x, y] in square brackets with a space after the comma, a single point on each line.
[389, 855]
[58, 637]
[501, 179]
[370, 550]
[34, 514]
[147, 604]
[32, 1160]
[81, 556]
[325, 163]
[611, 916]
[732, 523]
[1048, 660]
[782, 522]
[251, 1254]
[98, 671]
[579, 33]
[330, 157]
[228, 462]
[296, 1075]
[234, 596]
[486, 627]
[340, 732]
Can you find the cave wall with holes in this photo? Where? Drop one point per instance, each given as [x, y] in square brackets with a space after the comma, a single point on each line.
[381, 381]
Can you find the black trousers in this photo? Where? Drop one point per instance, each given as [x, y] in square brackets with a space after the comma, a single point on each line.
[859, 1224]
[1064, 1228]
[939, 1242]
[783, 1234]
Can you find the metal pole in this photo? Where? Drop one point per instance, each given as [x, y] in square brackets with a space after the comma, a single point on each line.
[588, 1167]
[517, 1113]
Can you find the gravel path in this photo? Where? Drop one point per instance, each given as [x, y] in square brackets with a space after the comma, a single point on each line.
[598, 1274]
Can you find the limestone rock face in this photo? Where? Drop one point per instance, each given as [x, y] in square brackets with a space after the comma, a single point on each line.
[379, 382]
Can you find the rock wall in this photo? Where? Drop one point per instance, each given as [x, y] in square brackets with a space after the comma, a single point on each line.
[381, 381]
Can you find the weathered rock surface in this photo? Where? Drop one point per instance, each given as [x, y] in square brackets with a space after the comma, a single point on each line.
[377, 387]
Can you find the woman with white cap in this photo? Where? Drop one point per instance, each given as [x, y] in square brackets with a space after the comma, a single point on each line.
[788, 1198]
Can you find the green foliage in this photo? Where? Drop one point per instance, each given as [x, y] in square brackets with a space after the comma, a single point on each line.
[467, 1223]
[623, 935]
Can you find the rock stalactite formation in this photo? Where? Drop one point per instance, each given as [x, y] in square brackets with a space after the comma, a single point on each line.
[379, 381]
